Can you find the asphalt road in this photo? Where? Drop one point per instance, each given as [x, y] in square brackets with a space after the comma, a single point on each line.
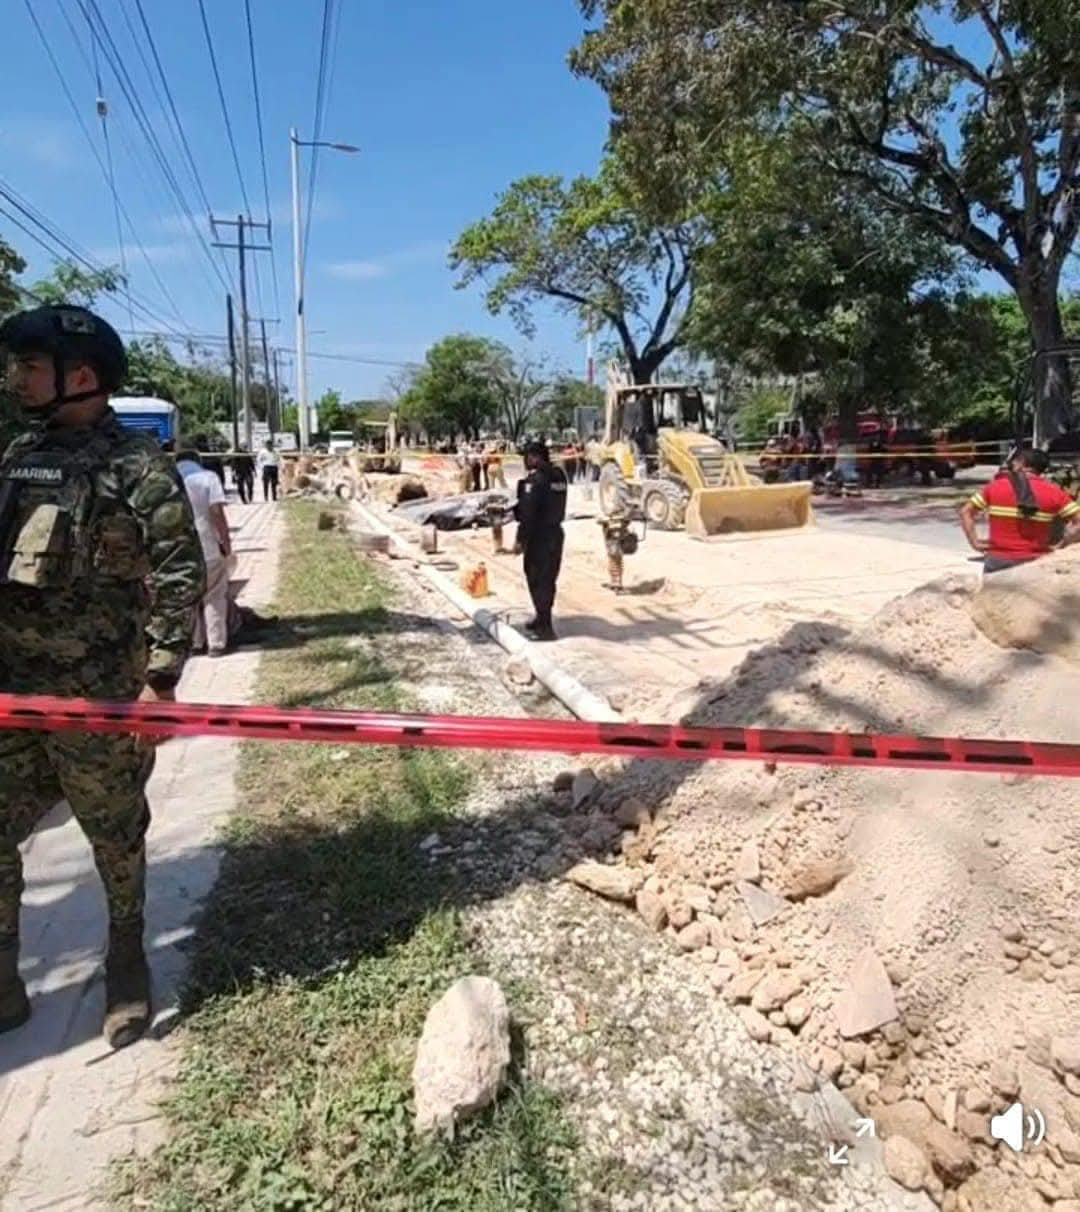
[912, 515]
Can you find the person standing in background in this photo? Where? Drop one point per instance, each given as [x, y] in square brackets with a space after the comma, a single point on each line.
[269, 463]
[243, 470]
[208, 505]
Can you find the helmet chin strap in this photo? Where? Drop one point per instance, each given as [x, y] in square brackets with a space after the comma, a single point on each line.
[44, 413]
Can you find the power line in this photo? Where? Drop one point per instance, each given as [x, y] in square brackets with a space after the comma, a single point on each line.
[320, 105]
[286, 350]
[144, 177]
[332, 357]
[127, 86]
[72, 252]
[170, 301]
[142, 120]
[177, 125]
[262, 149]
[103, 111]
[70, 248]
[224, 106]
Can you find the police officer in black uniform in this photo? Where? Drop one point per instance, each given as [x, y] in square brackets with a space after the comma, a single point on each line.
[540, 509]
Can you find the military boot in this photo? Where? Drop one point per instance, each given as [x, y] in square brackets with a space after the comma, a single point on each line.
[14, 1004]
[127, 986]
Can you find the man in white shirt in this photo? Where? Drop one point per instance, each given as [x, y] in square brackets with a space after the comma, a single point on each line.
[269, 463]
[208, 505]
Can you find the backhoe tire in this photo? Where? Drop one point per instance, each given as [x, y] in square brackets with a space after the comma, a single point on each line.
[613, 491]
[664, 506]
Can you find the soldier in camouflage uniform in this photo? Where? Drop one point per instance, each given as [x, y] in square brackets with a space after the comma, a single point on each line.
[100, 571]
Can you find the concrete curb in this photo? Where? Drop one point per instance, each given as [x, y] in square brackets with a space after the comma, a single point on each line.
[583, 702]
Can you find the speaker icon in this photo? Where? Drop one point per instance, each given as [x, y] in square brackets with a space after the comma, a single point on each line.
[1014, 1127]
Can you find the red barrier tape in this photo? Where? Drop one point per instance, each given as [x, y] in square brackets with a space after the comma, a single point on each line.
[654, 741]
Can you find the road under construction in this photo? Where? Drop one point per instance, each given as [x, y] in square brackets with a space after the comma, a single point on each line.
[903, 933]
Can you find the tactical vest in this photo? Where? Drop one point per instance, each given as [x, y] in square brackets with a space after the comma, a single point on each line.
[57, 526]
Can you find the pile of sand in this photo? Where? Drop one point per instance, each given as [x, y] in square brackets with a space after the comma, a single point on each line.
[1035, 606]
[963, 884]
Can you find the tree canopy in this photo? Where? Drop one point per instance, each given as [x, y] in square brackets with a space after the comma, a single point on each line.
[588, 247]
[454, 391]
[980, 147]
[805, 276]
[563, 397]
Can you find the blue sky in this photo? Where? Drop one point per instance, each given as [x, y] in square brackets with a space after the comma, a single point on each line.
[448, 102]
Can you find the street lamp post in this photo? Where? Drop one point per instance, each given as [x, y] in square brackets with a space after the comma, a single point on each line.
[298, 282]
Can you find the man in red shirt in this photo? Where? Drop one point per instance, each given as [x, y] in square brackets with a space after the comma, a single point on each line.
[1024, 512]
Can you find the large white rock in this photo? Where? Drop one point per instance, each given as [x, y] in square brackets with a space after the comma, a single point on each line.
[463, 1055]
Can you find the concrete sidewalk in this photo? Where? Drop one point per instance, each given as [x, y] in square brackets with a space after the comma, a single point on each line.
[68, 1104]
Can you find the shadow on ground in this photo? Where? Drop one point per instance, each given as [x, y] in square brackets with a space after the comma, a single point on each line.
[303, 900]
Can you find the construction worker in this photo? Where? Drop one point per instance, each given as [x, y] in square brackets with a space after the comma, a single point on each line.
[1023, 510]
[100, 571]
[540, 510]
[493, 458]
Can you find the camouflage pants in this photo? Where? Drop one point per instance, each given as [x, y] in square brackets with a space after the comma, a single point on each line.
[104, 779]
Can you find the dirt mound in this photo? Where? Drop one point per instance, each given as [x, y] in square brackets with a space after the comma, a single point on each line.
[1035, 606]
[962, 885]
[393, 489]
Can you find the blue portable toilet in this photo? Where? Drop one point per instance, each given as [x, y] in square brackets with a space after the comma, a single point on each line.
[156, 417]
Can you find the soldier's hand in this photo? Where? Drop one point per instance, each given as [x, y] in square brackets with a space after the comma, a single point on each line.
[150, 695]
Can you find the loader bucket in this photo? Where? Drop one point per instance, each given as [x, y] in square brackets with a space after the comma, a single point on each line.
[750, 508]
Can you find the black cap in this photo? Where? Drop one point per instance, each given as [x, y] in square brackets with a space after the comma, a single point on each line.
[539, 449]
[69, 334]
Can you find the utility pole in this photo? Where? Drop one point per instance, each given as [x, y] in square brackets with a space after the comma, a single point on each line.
[266, 378]
[241, 224]
[302, 408]
[302, 414]
[277, 395]
[590, 368]
[232, 375]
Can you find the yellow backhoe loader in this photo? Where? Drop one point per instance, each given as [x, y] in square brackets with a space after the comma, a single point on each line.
[380, 450]
[658, 461]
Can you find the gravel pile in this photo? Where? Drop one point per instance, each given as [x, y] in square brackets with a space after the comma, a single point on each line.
[908, 935]
[675, 1106]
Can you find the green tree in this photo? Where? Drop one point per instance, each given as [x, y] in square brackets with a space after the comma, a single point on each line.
[565, 395]
[805, 276]
[11, 266]
[332, 413]
[588, 247]
[456, 390]
[71, 283]
[519, 384]
[199, 386]
[979, 146]
[757, 408]
[370, 410]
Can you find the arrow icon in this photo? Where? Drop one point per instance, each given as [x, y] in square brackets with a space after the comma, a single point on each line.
[838, 1155]
[865, 1127]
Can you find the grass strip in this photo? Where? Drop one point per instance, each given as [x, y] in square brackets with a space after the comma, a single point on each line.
[322, 947]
